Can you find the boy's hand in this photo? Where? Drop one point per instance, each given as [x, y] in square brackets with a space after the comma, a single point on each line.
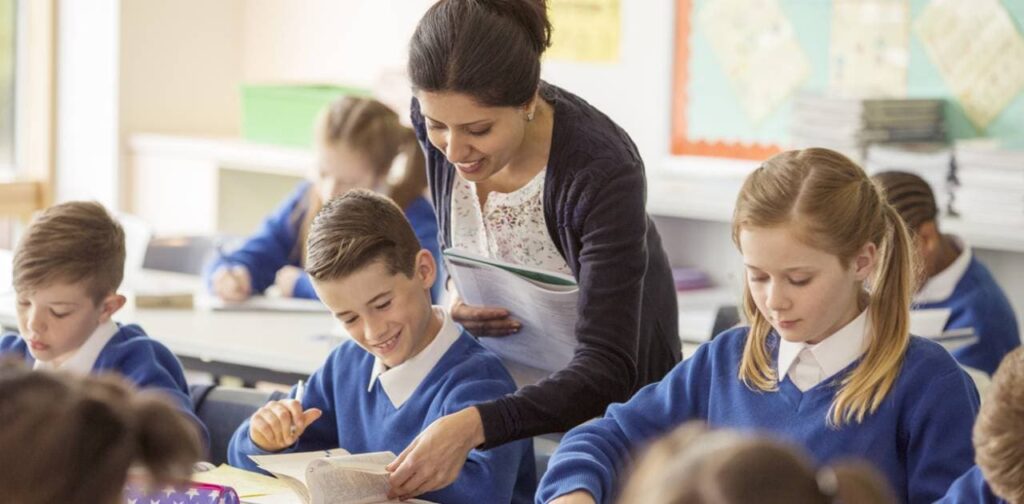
[577, 497]
[482, 320]
[278, 424]
[286, 279]
[232, 283]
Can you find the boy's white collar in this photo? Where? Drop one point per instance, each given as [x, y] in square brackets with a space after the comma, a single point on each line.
[401, 381]
[83, 359]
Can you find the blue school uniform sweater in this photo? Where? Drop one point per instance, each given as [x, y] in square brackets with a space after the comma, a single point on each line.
[920, 437]
[978, 302]
[274, 245]
[142, 360]
[361, 421]
[971, 488]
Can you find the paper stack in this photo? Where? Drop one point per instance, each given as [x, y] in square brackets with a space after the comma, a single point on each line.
[990, 182]
[850, 125]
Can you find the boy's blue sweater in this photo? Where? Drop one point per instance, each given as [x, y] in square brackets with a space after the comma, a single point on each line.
[366, 421]
[920, 437]
[979, 303]
[274, 244]
[971, 488]
[130, 352]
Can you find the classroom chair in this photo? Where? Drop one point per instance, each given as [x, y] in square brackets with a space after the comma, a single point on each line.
[180, 254]
[223, 409]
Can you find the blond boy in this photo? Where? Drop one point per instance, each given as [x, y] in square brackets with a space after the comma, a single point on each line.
[407, 364]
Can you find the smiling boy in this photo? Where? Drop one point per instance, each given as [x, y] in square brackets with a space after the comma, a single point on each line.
[67, 269]
[406, 365]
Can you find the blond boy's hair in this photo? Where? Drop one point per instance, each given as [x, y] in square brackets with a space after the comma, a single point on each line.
[356, 229]
[72, 242]
[833, 206]
[999, 430]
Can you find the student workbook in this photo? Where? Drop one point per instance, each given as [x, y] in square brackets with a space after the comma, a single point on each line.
[333, 476]
[543, 302]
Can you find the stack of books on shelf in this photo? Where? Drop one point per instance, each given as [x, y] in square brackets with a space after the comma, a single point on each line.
[931, 161]
[851, 125]
[990, 182]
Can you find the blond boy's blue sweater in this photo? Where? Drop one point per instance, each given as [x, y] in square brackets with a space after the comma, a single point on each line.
[361, 420]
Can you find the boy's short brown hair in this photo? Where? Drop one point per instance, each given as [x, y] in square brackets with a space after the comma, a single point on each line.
[356, 229]
[999, 430]
[72, 242]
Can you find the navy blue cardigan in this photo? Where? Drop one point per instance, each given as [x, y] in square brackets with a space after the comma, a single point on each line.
[594, 207]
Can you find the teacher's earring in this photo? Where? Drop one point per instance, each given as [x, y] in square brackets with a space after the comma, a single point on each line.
[529, 116]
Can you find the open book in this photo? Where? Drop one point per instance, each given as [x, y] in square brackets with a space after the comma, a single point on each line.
[544, 302]
[931, 323]
[333, 476]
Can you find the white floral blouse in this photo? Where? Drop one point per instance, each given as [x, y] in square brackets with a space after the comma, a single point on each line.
[509, 227]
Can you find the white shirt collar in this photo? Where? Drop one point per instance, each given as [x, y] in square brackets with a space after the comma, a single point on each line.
[83, 359]
[833, 354]
[401, 381]
[941, 286]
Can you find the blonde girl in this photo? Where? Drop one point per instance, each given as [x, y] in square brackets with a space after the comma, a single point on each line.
[826, 361]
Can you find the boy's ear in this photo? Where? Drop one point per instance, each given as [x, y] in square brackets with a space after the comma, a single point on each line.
[109, 306]
[425, 268]
[865, 260]
[928, 236]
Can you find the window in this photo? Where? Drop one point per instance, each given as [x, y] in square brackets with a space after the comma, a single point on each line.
[8, 51]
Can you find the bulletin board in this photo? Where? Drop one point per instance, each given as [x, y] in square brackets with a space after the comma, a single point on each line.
[712, 116]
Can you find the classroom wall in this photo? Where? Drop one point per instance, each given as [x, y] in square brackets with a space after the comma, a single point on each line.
[179, 72]
[355, 41]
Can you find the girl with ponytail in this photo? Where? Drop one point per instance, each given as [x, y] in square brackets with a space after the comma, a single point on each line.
[358, 143]
[826, 360]
[73, 439]
[696, 465]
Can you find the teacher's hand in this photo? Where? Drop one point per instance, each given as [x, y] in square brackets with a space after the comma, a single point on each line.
[435, 458]
[482, 320]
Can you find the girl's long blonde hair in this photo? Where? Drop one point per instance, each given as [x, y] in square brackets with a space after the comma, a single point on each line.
[834, 207]
[373, 129]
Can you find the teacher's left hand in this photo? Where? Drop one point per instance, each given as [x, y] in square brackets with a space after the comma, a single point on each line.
[435, 458]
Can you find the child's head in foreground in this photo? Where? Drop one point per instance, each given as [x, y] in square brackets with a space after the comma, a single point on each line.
[999, 430]
[73, 439]
[697, 465]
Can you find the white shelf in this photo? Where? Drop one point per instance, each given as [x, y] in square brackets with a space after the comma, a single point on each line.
[231, 153]
[712, 199]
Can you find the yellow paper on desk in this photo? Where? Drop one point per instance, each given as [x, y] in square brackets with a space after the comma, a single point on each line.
[246, 483]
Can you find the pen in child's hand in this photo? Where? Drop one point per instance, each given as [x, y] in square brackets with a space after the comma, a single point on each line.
[300, 390]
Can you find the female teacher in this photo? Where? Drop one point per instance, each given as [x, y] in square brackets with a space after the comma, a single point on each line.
[523, 171]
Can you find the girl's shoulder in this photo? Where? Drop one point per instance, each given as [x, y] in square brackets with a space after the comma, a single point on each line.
[928, 355]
